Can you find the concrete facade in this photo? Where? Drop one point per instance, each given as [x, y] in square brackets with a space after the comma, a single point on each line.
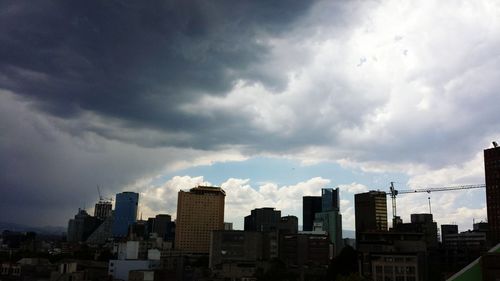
[199, 212]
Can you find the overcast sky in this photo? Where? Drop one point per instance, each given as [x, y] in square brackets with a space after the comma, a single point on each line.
[272, 100]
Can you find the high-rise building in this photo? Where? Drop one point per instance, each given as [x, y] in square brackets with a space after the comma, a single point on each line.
[492, 177]
[81, 226]
[370, 211]
[331, 222]
[262, 219]
[310, 206]
[125, 212]
[199, 212]
[163, 226]
[330, 199]
[330, 218]
[448, 229]
[103, 209]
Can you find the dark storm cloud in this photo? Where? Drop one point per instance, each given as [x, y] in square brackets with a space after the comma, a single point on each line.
[136, 61]
[118, 69]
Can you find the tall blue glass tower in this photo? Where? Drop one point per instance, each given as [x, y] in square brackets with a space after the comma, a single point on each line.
[125, 212]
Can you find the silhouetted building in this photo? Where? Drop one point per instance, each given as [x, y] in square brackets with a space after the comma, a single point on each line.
[448, 229]
[492, 177]
[330, 199]
[288, 224]
[397, 266]
[331, 222]
[305, 249]
[138, 231]
[236, 254]
[102, 233]
[125, 213]
[389, 249]
[310, 206]
[199, 212]
[262, 219]
[18, 240]
[422, 223]
[81, 226]
[481, 227]
[103, 209]
[80, 270]
[370, 210]
[472, 241]
[163, 226]
[151, 224]
[330, 217]
[459, 249]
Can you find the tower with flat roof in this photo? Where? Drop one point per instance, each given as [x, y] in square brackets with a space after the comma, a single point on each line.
[492, 179]
[199, 212]
[310, 206]
[262, 219]
[125, 213]
[370, 211]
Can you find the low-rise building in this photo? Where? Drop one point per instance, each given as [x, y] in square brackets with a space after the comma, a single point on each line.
[236, 253]
[396, 266]
[119, 269]
[300, 249]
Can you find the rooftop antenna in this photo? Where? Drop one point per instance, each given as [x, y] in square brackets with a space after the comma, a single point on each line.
[430, 210]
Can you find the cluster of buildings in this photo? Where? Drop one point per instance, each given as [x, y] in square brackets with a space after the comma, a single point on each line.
[199, 245]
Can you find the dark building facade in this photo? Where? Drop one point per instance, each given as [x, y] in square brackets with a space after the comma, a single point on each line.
[381, 251]
[370, 211]
[492, 178]
[310, 206]
[81, 226]
[288, 224]
[448, 229]
[231, 246]
[103, 209]
[330, 199]
[163, 226]
[301, 249]
[263, 219]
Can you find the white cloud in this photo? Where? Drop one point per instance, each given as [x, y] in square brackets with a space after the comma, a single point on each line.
[241, 197]
[353, 188]
[424, 102]
[163, 199]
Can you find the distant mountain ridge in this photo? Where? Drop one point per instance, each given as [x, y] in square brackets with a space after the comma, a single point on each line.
[25, 228]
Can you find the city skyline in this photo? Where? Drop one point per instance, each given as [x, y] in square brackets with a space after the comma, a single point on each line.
[271, 102]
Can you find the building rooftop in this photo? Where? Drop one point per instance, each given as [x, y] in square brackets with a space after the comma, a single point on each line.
[201, 189]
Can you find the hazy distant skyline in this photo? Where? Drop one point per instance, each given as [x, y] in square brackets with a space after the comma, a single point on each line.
[272, 100]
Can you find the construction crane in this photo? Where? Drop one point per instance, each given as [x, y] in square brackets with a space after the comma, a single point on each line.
[393, 192]
[101, 198]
